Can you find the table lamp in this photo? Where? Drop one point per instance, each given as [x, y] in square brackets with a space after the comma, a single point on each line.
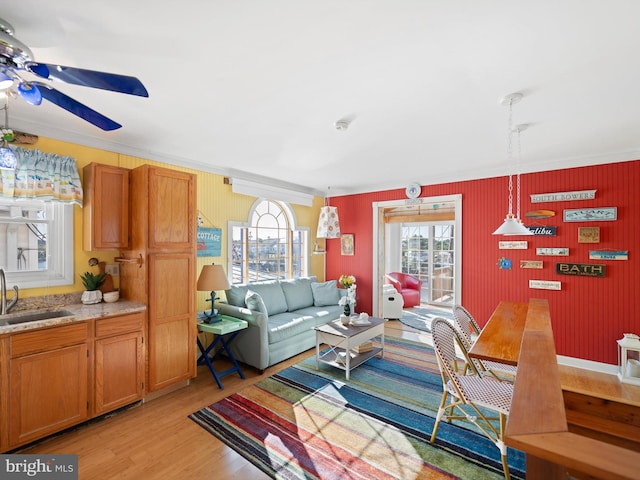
[212, 278]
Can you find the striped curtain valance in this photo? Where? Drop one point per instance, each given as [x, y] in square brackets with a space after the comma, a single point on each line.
[42, 176]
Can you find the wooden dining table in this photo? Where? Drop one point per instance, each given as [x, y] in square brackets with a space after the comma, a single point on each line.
[500, 338]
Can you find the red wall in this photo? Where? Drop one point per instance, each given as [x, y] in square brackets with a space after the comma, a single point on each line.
[589, 314]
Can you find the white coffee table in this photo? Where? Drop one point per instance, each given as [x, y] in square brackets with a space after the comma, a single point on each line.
[343, 338]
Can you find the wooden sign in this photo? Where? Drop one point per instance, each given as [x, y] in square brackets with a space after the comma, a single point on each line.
[588, 234]
[544, 285]
[553, 252]
[581, 269]
[209, 242]
[563, 196]
[531, 264]
[540, 214]
[542, 230]
[513, 245]
[601, 214]
[608, 255]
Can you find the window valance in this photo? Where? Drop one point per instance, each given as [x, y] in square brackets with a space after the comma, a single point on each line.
[42, 176]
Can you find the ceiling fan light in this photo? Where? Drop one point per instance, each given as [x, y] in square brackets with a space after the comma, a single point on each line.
[5, 81]
[30, 93]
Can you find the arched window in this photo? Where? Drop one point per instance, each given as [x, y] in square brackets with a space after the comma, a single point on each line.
[269, 246]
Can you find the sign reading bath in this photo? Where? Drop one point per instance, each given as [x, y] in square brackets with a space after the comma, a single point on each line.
[581, 269]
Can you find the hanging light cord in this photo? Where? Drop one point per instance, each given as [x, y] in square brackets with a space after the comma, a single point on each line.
[509, 157]
[518, 176]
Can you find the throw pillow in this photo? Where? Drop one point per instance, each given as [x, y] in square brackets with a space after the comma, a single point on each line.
[254, 302]
[298, 293]
[325, 293]
[236, 295]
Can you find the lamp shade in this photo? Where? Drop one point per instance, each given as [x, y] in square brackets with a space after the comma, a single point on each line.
[5, 81]
[328, 223]
[512, 226]
[212, 277]
[30, 93]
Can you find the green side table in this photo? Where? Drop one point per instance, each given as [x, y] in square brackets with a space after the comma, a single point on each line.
[225, 331]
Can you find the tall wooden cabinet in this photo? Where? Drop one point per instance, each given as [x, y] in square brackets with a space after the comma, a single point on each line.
[161, 273]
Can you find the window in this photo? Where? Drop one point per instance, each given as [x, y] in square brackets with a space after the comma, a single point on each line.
[36, 243]
[268, 246]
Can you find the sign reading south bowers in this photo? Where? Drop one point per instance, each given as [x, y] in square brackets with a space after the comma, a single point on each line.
[581, 269]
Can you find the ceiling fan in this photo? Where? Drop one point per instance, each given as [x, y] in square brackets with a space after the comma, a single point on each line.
[16, 58]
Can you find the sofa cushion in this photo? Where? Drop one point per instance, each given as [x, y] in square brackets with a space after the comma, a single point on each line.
[236, 295]
[254, 302]
[272, 296]
[297, 293]
[289, 324]
[325, 293]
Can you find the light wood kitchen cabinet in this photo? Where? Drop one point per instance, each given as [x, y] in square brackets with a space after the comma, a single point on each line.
[48, 371]
[106, 207]
[163, 237]
[119, 362]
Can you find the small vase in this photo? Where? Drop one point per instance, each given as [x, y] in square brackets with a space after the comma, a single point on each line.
[89, 297]
[344, 319]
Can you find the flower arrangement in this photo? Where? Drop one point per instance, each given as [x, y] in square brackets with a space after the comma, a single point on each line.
[347, 280]
[348, 302]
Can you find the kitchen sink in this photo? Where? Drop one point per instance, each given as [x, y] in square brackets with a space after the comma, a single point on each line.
[33, 317]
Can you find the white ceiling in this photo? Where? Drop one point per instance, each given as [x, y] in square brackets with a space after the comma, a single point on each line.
[254, 87]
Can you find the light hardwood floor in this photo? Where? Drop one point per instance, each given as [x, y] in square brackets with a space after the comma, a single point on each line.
[156, 440]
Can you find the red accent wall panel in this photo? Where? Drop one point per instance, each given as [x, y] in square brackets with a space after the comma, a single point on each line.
[589, 314]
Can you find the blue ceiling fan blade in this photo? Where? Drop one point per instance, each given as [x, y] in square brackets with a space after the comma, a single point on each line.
[89, 78]
[77, 108]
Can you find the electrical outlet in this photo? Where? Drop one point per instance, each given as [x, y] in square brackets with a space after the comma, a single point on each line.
[112, 269]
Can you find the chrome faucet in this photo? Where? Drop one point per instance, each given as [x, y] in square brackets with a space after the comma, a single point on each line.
[4, 308]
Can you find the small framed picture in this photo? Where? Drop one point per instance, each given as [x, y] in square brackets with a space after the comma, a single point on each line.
[346, 244]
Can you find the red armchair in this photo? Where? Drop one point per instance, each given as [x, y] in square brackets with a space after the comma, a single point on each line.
[408, 286]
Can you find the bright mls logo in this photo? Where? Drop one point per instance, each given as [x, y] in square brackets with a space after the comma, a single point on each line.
[51, 467]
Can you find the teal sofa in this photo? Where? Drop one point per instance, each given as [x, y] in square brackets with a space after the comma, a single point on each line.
[281, 315]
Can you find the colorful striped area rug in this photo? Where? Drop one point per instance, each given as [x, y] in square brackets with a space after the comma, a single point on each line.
[303, 423]
[420, 318]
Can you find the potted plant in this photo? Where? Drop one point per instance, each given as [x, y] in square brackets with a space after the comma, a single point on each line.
[92, 284]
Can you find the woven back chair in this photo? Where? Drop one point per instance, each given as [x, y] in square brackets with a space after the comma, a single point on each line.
[467, 397]
[470, 331]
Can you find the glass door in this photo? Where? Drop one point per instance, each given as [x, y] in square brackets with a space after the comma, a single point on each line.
[427, 250]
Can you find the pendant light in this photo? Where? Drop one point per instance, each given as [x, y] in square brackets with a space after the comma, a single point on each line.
[512, 224]
[328, 223]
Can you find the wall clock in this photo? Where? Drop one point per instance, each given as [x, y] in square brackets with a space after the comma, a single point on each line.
[413, 190]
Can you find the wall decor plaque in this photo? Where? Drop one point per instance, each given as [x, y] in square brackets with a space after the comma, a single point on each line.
[608, 255]
[540, 214]
[600, 214]
[542, 230]
[581, 269]
[553, 252]
[513, 245]
[209, 242]
[545, 285]
[563, 196]
[588, 234]
[531, 264]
